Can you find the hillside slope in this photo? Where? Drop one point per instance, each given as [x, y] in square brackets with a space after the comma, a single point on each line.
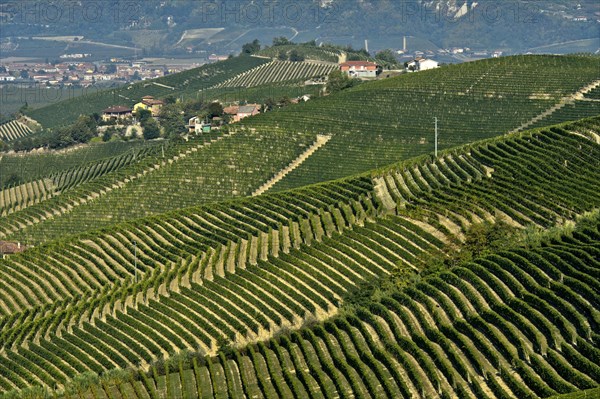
[203, 83]
[382, 122]
[226, 275]
[509, 325]
[371, 125]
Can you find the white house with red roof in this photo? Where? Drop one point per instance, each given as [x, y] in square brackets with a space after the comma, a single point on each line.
[359, 69]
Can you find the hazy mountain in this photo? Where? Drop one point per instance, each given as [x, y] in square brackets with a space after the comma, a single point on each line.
[510, 24]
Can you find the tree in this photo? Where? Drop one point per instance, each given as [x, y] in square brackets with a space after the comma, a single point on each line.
[284, 101]
[171, 119]
[111, 68]
[387, 56]
[170, 99]
[281, 41]
[151, 130]
[251, 48]
[24, 74]
[215, 109]
[143, 115]
[295, 56]
[107, 135]
[339, 81]
[269, 105]
[282, 56]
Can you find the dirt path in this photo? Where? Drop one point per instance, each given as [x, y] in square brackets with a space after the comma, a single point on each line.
[578, 95]
[321, 141]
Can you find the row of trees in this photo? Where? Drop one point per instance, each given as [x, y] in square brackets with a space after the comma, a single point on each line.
[386, 58]
[82, 131]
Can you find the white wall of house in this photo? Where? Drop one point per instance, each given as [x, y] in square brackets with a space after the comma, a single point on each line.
[427, 64]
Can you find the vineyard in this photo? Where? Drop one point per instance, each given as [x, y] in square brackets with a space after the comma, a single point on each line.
[187, 84]
[13, 130]
[242, 298]
[320, 250]
[382, 122]
[472, 101]
[211, 168]
[308, 52]
[510, 325]
[34, 166]
[280, 71]
[240, 72]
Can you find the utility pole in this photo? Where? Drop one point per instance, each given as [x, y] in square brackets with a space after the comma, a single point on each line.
[135, 261]
[436, 137]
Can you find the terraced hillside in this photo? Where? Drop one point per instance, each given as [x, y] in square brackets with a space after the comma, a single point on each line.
[280, 71]
[13, 130]
[518, 323]
[371, 125]
[510, 325]
[210, 168]
[382, 122]
[21, 196]
[33, 166]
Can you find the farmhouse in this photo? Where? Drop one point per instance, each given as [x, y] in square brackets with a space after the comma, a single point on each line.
[359, 69]
[116, 113]
[149, 103]
[421, 64]
[197, 125]
[239, 112]
[248, 110]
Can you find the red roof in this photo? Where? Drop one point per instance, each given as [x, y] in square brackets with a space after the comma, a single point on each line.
[358, 63]
[232, 110]
[117, 110]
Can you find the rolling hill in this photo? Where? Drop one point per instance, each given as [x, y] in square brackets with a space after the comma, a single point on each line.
[317, 250]
[374, 124]
[243, 298]
[237, 73]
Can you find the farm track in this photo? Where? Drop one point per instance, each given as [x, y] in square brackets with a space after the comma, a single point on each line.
[578, 95]
[320, 142]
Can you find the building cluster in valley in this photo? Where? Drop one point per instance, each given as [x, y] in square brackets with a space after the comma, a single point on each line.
[85, 74]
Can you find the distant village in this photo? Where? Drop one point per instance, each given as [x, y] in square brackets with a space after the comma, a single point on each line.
[73, 70]
[77, 72]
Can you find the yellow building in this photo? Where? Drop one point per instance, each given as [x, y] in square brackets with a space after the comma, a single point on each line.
[149, 103]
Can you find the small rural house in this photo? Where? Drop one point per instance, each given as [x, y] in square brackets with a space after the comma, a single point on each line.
[421, 64]
[116, 113]
[247, 110]
[149, 103]
[359, 69]
[239, 112]
[197, 125]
